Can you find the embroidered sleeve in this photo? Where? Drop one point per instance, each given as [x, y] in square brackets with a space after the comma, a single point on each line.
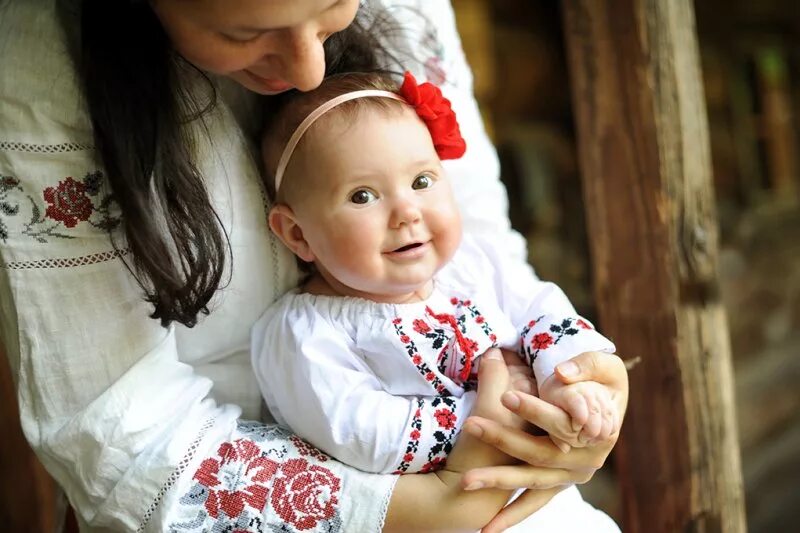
[263, 478]
[550, 330]
[315, 383]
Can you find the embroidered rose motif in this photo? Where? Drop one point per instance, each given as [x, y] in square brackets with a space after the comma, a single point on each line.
[435, 464]
[421, 327]
[541, 341]
[303, 494]
[582, 323]
[238, 478]
[445, 418]
[69, 203]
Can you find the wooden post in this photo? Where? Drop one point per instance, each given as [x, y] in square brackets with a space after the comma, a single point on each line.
[645, 157]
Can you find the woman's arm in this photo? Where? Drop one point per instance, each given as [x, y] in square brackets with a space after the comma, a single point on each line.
[545, 469]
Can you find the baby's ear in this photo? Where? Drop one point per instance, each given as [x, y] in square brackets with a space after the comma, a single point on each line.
[284, 224]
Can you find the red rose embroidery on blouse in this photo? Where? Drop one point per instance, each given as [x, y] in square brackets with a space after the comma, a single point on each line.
[238, 478]
[68, 201]
[421, 327]
[303, 494]
[585, 325]
[541, 341]
[445, 418]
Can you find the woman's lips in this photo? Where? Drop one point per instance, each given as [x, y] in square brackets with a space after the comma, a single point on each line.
[273, 86]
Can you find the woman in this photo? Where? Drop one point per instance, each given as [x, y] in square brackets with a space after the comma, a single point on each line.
[130, 208]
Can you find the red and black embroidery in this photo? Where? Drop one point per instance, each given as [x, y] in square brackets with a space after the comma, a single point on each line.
[68, 203]
[416, 359]
[443, 420]
[531, 348]
[414, 436]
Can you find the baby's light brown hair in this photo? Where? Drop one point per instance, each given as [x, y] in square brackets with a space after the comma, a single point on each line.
[296, 106]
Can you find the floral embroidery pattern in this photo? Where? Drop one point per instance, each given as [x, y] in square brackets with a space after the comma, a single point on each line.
[447, 333]
[69, 203]
[539, 342]
[413, 440]
[304, 494]
[421, 366]
[261, 481]
[443, 419]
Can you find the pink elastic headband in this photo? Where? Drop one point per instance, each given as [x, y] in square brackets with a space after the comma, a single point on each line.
[283, 162]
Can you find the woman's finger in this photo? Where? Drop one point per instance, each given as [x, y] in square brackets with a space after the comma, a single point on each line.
[514, 442]
[514, 477]
[538, 412]
[493, 381]
[533, 450]
[528, 503]
[602, 367]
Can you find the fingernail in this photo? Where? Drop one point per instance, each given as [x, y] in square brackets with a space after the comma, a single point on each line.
[510, 400]
[565, 448]
[475, 485]
[568, 369]
[473, 429]
[493, 353]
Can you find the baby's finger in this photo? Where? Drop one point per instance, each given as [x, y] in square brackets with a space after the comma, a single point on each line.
[592, 427]
[528, 503]
[578, 409]
[564, 446]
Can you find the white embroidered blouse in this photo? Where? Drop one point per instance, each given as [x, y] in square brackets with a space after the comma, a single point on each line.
[386, 387]
[142, 425]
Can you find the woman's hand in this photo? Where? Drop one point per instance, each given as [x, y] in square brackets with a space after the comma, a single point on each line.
[546, 468]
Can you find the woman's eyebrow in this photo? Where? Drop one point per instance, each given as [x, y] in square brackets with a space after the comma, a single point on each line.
[256, 29]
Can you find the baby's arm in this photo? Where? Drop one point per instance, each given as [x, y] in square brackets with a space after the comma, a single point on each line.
[438, 502]
[317, 384]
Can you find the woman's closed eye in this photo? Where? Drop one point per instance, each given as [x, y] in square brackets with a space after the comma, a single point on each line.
[363, 197]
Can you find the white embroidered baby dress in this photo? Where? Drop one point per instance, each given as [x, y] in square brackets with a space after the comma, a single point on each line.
[386, 387]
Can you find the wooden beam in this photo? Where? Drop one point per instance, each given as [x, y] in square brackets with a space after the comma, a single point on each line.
[645, 158]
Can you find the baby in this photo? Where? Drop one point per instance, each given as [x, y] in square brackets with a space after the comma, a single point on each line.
[374, 358]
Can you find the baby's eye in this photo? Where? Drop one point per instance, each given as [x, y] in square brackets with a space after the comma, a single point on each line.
[422, 181]
[362, 196]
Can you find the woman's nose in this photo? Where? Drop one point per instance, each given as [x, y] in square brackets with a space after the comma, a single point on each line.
[303, 58]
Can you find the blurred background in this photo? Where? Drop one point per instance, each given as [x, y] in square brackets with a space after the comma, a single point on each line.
[750, 55]
[751, 68]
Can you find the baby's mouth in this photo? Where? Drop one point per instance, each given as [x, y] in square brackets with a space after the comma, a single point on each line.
[408, 247]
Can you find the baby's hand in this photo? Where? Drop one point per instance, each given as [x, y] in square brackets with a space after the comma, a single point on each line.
[594, 415]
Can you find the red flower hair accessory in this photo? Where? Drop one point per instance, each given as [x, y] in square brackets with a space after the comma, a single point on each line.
[435, 110]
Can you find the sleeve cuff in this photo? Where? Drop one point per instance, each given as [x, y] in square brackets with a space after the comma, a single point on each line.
[551, 339]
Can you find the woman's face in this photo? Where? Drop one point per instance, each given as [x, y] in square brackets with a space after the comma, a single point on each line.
[268, 46]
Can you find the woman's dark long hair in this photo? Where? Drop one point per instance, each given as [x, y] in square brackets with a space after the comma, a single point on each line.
[135, 88]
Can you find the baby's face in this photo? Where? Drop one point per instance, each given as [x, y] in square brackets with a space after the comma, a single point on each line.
[379, 214]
